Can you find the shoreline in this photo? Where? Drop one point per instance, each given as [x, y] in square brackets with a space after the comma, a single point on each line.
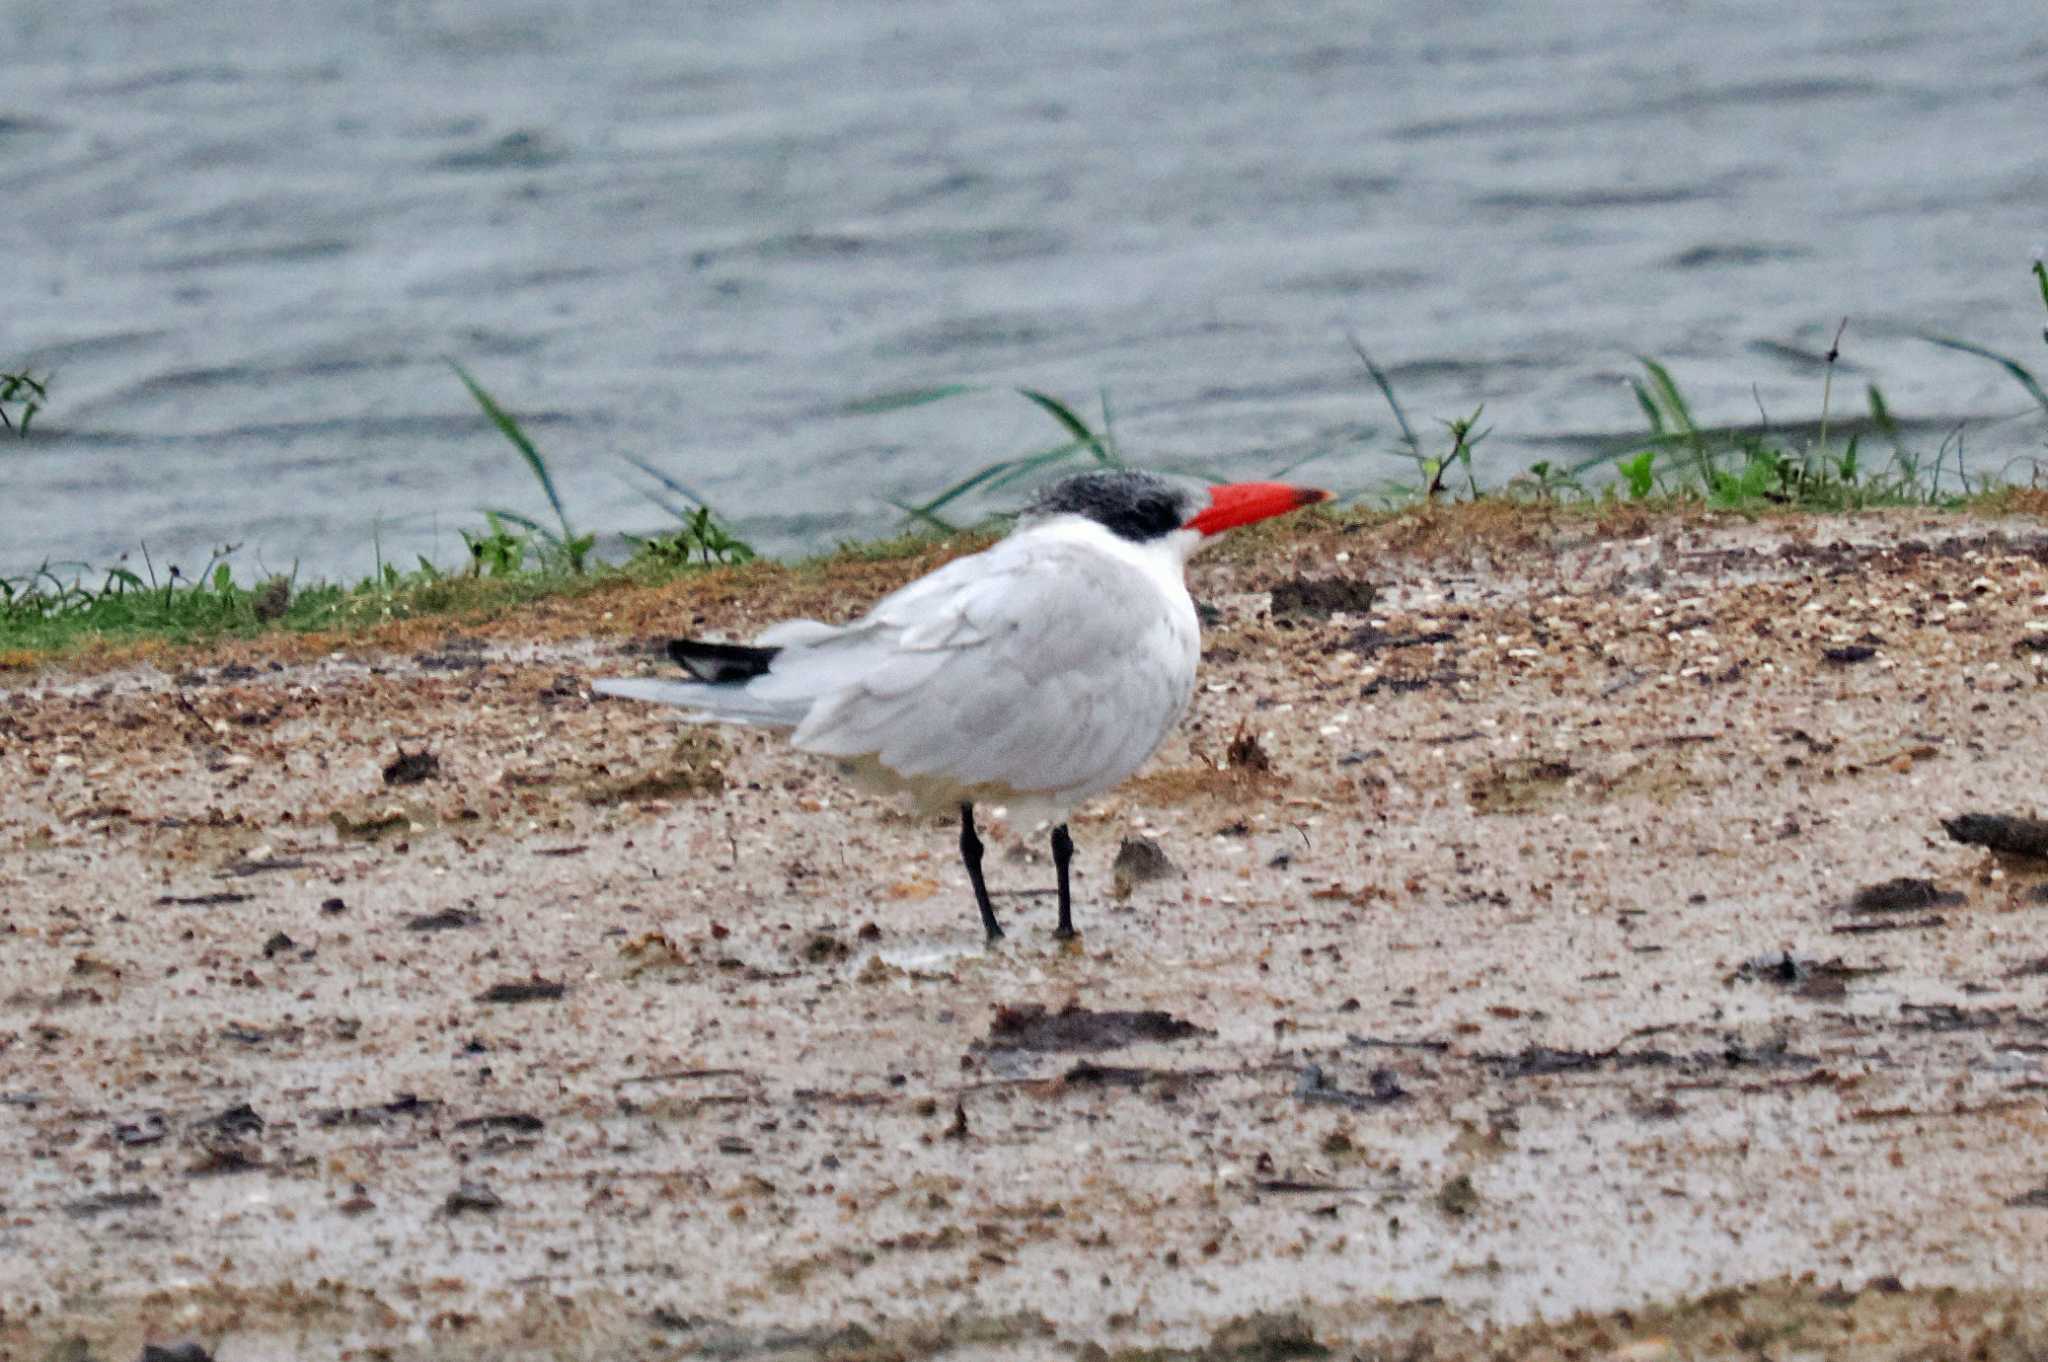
[556, 604]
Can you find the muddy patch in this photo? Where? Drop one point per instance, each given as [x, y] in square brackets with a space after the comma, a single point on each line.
[694, 768]
[1318, 598]
[1031, 1027]
[1521, 785]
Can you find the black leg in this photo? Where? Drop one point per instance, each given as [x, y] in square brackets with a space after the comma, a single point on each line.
[970, 852]
[1062, 855]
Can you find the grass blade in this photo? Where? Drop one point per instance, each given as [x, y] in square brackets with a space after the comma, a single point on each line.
[1024, 468]
[2010, 365]
[966, 485]
[1386, 387]
[527, 523]
[1650, 412]
[1109, 430]
[923, 514]
[509, 428]
[1076, 427]
[908, 397]
[1881, 413]
[1665, 390]
[1665, 396]
[999, 474]
[1279, 474]
[675, 509]
[664, 479]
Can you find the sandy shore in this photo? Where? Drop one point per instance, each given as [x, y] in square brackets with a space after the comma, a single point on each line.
[1531, 977]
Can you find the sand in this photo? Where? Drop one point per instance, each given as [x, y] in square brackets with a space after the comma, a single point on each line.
[1561, 952]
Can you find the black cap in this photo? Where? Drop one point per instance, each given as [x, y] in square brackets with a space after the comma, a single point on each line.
[1138, 506]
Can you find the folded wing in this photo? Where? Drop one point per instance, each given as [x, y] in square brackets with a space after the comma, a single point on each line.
[1039, 666]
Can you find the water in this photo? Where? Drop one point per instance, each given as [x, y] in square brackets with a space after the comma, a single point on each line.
[245, 236]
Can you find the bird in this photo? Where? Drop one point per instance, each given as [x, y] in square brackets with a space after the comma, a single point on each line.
[1038, 673]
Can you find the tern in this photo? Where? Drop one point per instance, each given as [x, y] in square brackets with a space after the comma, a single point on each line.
[1038, 673]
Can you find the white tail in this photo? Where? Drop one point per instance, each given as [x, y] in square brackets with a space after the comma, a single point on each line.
[726, 704]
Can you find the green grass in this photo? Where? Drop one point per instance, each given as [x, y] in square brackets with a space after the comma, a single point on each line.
[26, 395]
[55, 612]
[1741, 468]
[1733, 468]
[60, 611]
[514, 558]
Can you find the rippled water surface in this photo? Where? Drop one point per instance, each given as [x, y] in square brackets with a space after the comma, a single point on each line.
[244, 236]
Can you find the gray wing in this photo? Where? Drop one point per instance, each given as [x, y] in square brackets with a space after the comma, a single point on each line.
[1037, 666]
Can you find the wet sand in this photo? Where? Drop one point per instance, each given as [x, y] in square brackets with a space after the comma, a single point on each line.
[1564, 954]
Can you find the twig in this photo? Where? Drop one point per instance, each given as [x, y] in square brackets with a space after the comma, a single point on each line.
[1827, 383]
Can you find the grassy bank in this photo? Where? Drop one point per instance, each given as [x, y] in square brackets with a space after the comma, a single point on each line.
[1842, 460]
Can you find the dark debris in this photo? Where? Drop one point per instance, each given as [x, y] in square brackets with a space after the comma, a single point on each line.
[1369, 640]
[1031, 1027]
[412, 767]
[524, 1122]
[1139, 860]
[2013, 834]
[1806, 976]
[471, 1196]
[237, 1121]
[86, 1207]
[448, 919]
[1313, 1086]
[530, 991]
[405, 1104]
[187, 1351]
[1902, 895]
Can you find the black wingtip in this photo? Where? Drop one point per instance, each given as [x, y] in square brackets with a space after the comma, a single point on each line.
[721, 663]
